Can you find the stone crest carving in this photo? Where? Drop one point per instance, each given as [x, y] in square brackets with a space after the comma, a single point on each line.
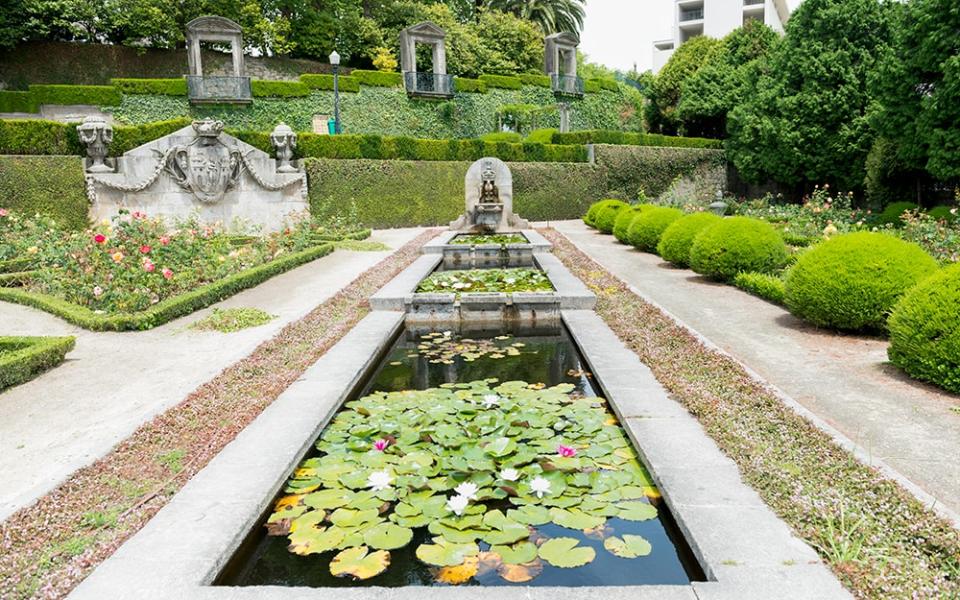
[96, 134]
[205, 166]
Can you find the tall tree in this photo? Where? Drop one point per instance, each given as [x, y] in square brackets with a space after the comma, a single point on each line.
[664, 93]
[805, 121]
[551, 15]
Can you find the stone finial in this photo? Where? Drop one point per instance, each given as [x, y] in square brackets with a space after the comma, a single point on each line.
[96, 134]
[284, 140]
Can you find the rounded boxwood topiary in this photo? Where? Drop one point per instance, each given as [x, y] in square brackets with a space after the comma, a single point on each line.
[591, 217]
[853, 281]
[893, 213]
[624, 219]
[943, 213]
[735, 245]
[645, 231]
[677, 240]
[925, 330]
[608, 214]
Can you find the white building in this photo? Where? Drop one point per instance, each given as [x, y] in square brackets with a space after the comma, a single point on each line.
[716, 18]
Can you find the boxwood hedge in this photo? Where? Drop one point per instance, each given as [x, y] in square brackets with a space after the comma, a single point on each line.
[590, 217]
[853, 281]
[23, 358]
[762, 285]
[925, 330]
[735, 245]
[606, 216]
[677, 239]
[320, 81]
[645, 231]
[625, 218]
[51, 185]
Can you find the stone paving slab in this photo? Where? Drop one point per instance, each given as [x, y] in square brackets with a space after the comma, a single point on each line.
[114, 382]
[843, 383]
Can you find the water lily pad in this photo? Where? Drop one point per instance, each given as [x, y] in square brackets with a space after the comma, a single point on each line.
[636, 510]
[507, 535]
[458, 574]
[530, 514]
[329, 498]
[346, 517]
[387, 536]
[501, 446]
[629, 546]
[520, 573]
[357, 563]
[442, 553]
[521, 552]
[563, 552]
[308, 540]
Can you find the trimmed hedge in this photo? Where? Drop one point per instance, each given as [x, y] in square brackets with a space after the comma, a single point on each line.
[390, 193]
[769, 287]
[536, 80]
[644, 232]
[853, 281]
[590, 217]
[51, 185]
[505, 82]
[636, 170]
[629, 138]
[602, 84]
[159, 87]
[925, 330]
[98, 95]
[377, 78]
[319, 81]
[607, 215]
[677, 239]
[625, 218]
[168, 309]
[736, 245]
[41, 137]
[18, 102]
[469, 86]
[23, 358]
[263, 88]
[893, 213]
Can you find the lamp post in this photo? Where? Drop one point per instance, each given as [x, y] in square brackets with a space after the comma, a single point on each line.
[335, 61]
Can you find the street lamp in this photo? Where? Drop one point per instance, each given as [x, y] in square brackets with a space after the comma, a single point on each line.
[335, 61]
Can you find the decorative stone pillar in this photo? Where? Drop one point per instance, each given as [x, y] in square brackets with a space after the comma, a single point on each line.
[284, 140]
[96, 134]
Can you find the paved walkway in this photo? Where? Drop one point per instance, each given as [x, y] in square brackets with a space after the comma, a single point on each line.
[114, 382]
[845, 380]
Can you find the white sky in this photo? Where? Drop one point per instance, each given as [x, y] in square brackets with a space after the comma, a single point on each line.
[619, 33]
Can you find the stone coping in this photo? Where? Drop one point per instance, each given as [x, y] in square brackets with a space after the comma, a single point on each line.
[746, 552]
[442, 242]
[399, 293]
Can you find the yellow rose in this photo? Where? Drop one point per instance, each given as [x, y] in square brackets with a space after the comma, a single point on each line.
[32, 250]
[117, 257]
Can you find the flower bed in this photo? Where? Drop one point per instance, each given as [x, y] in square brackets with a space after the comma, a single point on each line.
[486, 280]
[23, 358]
[136, 272]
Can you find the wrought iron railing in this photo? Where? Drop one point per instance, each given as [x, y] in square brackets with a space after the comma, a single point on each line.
[753, 2]
[567, 85]
[218, 88]
[429, 84]
[691, 15]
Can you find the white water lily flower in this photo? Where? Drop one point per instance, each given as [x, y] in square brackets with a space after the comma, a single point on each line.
[468, 490]
[510, 280]
[379, 480]
[491, 400]
[509, 474]
[458, 504]
[540, 486]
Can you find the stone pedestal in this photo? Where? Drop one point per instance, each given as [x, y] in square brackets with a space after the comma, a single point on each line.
[488, 213]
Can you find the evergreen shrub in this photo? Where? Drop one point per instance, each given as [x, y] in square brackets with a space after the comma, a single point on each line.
[735, 245]
[645, 231]
[608, 214]
[677, 239]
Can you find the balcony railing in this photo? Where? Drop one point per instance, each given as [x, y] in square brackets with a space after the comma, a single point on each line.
[753, 2]
[218, 88]
[434, 85]
[691, 15]
[566, 85]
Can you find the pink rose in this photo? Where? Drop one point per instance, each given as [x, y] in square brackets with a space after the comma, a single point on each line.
[164, 241]
[566, 451]
[167, 274]
[148, 266]
[100, 238]
[3, 212]
[145, 249]
[97, 291]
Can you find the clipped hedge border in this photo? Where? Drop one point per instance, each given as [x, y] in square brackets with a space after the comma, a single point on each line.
[158, 87]
[98, 95]
[377, 78]
[628, 138]
[32, 356]
[17, 102]
[171, 308]
[469, 86]
[320, 81]
[505, 82]
[263, 88]
[536, 80]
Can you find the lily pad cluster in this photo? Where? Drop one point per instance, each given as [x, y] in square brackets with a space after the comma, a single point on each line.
[493, 238]
[486, 280]
[444, 347]
[480, 466]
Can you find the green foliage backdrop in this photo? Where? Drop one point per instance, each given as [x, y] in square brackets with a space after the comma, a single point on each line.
[51, 185]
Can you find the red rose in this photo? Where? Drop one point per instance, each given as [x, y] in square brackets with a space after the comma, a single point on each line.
[100, 238]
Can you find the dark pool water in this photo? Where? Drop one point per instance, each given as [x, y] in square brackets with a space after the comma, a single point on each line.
[549, 357]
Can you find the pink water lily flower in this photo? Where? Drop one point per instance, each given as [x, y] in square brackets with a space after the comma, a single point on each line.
[566, 451]
[381, 445]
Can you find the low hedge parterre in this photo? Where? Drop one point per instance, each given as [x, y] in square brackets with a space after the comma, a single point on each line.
[769, 287]
[23, 358]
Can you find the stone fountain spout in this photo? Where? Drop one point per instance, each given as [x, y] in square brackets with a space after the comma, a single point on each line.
[489, 199]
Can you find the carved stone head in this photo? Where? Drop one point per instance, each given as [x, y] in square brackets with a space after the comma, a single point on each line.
[284, 139]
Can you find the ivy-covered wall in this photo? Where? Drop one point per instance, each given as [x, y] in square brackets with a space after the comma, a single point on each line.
[387, 111]
[51, 185]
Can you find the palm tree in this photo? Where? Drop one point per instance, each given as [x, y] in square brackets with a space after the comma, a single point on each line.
[551, 15]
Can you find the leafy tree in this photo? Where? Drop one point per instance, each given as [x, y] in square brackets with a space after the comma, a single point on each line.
[724, 81]
[916, 88]
[664, 93]
[805, 120]
[551, 15]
